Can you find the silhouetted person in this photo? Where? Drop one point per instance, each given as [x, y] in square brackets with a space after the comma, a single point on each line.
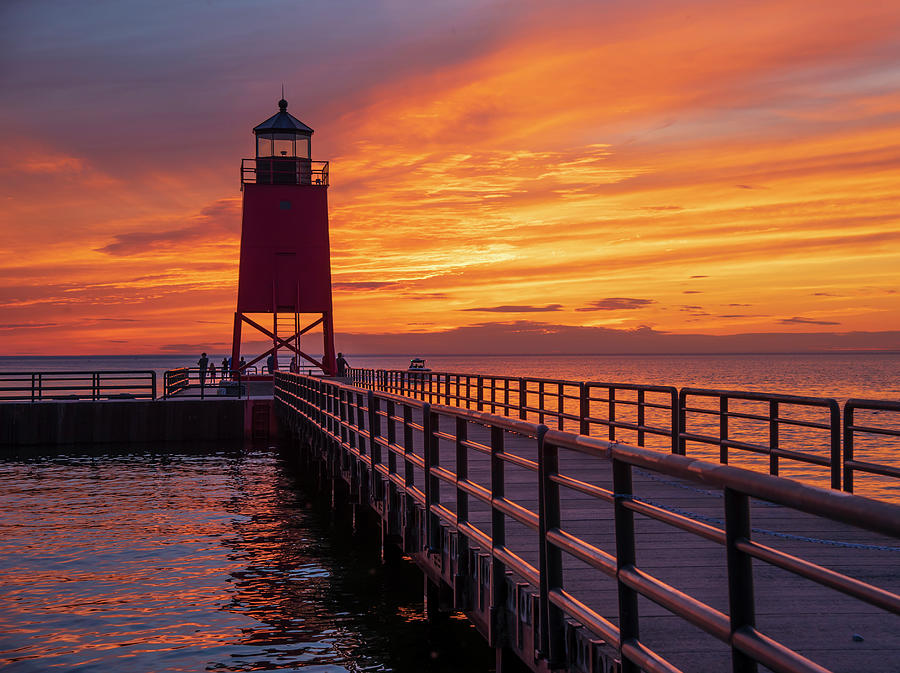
[225, 367]
[270, 363]
[203, 363]
[242, 364]
[342, 365]
[212, 372]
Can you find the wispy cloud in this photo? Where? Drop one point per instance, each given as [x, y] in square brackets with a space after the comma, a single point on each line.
[616, 304]
[517, 309]
[796, 320]
[350, 286]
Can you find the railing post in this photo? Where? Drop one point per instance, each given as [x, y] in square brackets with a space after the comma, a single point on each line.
[462, 514]
[480, 393]
[682, 422]
[498, 538]
[428, 437]
[848, 447]
[677, 419]
[540, 404]
[560, 405]
[773, 437]
[723, 429]
[611, 413]
[584, 409]
[629, 619]
[641, 416]
[374, 446]
[551, 645]
[835, 418]
[153, 384]
[523, 398]
[740, 575]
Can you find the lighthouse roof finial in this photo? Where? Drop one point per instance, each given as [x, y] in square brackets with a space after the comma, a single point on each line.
[283, 122]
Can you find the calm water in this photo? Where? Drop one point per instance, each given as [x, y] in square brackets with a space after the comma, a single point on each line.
[192, 562]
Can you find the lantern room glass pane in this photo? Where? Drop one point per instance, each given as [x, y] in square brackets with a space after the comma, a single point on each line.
[303, 147]
[263, 146]
[283, 147]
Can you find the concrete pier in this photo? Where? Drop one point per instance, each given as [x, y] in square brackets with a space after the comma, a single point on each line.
[83, 422]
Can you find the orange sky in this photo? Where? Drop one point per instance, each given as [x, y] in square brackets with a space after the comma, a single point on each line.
[689, 167]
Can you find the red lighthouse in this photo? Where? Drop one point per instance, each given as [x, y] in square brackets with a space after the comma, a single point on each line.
[285, 270]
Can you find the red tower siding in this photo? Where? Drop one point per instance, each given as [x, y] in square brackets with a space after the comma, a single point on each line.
[284, 246]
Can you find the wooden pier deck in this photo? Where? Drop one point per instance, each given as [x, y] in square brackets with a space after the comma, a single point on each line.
[499, 527]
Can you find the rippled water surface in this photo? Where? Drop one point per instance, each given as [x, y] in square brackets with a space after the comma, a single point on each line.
[191, 562]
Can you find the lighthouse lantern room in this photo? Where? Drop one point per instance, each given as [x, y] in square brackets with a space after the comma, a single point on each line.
[285, 268]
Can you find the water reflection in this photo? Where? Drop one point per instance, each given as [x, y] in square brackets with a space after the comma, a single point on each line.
[191, 562]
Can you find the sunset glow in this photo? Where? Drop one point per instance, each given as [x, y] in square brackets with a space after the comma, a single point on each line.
[689, 167]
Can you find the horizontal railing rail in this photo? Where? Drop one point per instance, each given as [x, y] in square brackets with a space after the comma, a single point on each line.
[77, 385]
[194, 382]
[800, 431]
[773, 421]
[644, 410]
[175, 380]
[393, 444]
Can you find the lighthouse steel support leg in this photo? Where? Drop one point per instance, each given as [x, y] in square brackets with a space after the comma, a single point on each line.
[328, 361]
[275, 342]
[236, 342]
[274, 325]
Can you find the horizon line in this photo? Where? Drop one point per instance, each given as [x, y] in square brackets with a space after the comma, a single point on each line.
[882, 351]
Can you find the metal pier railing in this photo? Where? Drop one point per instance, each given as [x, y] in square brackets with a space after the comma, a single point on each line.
[484, 504]
[77, 385]
[802, 432]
